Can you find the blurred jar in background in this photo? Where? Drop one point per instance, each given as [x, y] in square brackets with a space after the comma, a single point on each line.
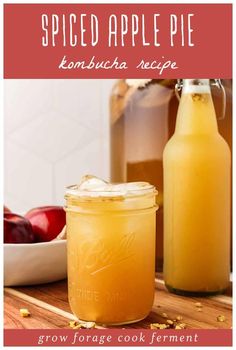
[225, 126]
[142, 119]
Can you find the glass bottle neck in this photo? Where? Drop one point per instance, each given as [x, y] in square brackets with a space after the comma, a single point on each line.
[196, 113]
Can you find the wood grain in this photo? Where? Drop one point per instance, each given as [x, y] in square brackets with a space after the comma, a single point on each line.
[39, 318]
[49, 308]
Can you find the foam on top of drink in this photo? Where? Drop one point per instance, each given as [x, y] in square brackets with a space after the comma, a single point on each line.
[202, 88]
[92, 186]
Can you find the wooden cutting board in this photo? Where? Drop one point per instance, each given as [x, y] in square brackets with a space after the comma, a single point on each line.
[49, 308]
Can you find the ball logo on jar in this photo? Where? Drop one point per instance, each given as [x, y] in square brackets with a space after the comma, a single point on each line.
[95, 256]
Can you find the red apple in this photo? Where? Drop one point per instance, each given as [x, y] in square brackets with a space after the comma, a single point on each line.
[47, 222]
[6, 209]
[17, 229]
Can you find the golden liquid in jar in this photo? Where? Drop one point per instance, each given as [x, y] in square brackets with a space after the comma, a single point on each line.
[111, 259]
[152, 172]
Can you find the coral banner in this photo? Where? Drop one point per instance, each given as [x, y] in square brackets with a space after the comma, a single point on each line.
[118, 337]
[117, 40]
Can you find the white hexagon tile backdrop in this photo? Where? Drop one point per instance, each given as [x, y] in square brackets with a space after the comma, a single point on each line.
[55, 132]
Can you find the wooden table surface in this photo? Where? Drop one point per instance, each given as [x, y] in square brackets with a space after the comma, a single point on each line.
[49, 308]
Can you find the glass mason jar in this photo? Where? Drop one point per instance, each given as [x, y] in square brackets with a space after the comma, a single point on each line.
[142, 120]
[111, 252]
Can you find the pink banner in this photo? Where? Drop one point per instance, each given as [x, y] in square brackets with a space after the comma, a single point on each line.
[117, 40]
[117, 337]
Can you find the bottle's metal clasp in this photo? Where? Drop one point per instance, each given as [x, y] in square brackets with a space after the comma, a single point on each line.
[178, 88]
[219, 85]
[214, 82]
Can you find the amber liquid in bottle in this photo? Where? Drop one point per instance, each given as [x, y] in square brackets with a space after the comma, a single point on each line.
[196, 198]
[142, 121]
